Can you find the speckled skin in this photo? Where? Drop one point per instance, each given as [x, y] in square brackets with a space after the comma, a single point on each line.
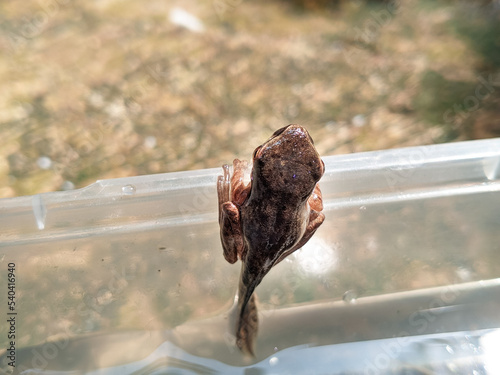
[275, 214]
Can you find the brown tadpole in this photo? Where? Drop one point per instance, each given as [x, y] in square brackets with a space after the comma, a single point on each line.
[275, 214]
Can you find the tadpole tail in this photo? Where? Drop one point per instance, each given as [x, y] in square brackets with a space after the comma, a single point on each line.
[248, 326]
[248, 323]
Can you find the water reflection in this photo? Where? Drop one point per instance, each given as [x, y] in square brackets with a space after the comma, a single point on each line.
[316, 257]
[461, 352]
[389, 334]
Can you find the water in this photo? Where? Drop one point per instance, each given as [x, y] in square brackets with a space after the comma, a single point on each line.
[447, 330]
[39, 211]
[349, 296]
[440, 354]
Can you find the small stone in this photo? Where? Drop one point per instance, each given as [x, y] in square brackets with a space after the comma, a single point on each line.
[359, 121]
[44, 162]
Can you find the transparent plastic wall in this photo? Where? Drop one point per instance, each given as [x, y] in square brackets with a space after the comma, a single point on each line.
[127, 275]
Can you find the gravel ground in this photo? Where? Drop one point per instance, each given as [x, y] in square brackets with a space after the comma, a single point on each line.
[104, 89]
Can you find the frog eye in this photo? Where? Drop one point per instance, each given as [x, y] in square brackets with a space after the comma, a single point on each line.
[278, 132]
[255, 152]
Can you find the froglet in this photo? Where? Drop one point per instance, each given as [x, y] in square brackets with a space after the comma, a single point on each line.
[276, 213]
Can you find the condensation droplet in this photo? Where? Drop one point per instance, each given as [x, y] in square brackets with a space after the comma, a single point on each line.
[350, 296]
[491, 167]
[39, 211]
[273, 361]
[275, 349]
[362, 208]
[128, 189]
[449, 349]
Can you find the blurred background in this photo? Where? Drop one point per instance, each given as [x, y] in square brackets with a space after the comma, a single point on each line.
[111, 88]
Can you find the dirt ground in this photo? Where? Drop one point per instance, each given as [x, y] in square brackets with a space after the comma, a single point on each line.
[112, 88]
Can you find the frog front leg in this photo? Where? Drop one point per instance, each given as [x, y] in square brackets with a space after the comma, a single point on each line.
[316, 218]
[231, 193]
[239, 191]
[315, 201]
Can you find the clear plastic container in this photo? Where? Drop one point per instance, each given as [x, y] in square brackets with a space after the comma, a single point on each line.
[126, 276]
